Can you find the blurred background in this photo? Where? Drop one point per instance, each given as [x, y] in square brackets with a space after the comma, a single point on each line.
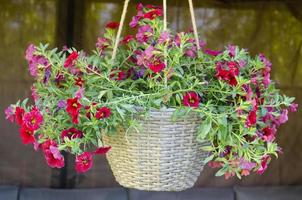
[262, 26]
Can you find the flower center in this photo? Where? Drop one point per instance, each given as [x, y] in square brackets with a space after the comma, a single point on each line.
[75, 105]
[192, 100]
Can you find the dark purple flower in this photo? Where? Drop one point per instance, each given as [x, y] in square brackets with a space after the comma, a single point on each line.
[62, 104]
[47, 75]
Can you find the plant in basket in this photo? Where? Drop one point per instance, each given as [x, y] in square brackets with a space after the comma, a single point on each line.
[163, 95]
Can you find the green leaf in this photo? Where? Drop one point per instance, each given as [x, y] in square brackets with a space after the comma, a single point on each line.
[204, 129]
[208, 159]
[222, 171]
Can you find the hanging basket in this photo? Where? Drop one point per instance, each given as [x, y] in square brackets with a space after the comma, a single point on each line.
[163, 156]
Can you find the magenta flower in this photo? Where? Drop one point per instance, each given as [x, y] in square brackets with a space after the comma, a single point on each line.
[282, 117]
[268, 134]
[164, 37]
[10, 113]
[212, 52]
[143, 58]
[29, 53]
[80, 93]
[102, 44]
[241, 63]
[232, 50]
[34, 94]
[143, 33]
[33, 119]
[134, 21]
[293, 107]
[192, 52]
[264, 162]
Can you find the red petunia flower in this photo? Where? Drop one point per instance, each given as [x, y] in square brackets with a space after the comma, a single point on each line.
[191, 99]
[73, 108]
[33, 119]
[251, 118]
[227, 71]
[153, 14]
[70, 61]
[79, 81]
[102, 113]
[157, 66]
[127, 39]
[27, 135]
[83, 162]
[52, 154]
[102, 150]
[118, 75]
[71, 133]
[112, 25]
[19, 113]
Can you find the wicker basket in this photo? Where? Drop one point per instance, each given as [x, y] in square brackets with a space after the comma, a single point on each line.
[163, 156]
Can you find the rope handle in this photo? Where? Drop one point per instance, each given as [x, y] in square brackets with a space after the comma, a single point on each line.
[126, 3]
[118, 35]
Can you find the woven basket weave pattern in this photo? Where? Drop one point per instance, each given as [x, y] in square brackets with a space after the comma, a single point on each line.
[163, 156]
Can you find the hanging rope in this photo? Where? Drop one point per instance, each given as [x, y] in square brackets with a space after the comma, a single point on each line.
[126, 3]
[194, 23]
[165, 14]
[118, 35]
